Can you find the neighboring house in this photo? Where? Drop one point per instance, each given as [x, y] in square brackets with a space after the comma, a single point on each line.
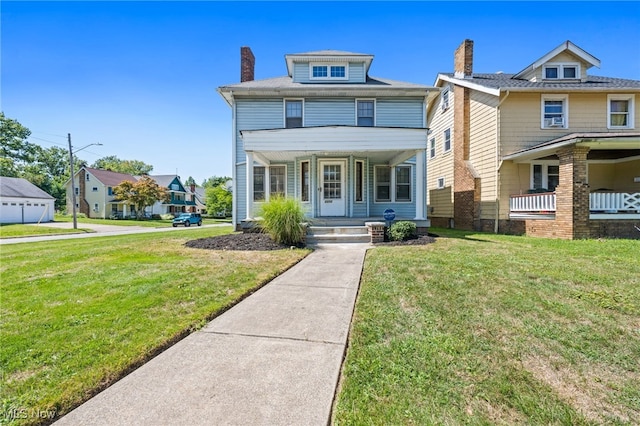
[23, 202]
[345, 144]
[198, 197]
[94, 194]
[180, 200]
[549, 151]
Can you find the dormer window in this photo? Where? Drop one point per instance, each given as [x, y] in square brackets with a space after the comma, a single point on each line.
[561, 71]
[328, 71]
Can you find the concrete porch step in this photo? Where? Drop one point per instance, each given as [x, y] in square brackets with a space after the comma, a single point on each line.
[337, 234]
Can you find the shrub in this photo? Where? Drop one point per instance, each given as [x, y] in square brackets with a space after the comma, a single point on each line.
[402, 230]
[282, 219]
[167, 216]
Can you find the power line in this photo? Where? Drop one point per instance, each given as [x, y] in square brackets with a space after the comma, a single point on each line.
[48, 134]
[46, 140]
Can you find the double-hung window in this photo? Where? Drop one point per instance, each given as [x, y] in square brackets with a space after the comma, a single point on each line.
[359, 189]
[554, 112]
[432, 147]
[392, 183]
[293, 113]
[269, 182]
[383, 183]
[365, 113]
[446, 146]
[545, 177]
[620, 110]
[403, 183]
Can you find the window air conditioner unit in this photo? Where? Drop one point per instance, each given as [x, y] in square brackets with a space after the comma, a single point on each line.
[557, 121]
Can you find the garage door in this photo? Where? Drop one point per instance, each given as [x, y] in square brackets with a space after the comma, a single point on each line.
[28, 212]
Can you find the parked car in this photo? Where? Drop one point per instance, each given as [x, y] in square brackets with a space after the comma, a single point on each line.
[187, 219]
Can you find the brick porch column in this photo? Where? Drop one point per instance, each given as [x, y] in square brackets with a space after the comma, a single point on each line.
[572, 194]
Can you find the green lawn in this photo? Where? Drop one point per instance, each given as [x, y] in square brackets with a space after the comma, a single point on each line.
[83, 312]
[482, 329]
[13, 230]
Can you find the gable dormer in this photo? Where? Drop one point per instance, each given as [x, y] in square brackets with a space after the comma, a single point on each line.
[328, 66]
[565, 63]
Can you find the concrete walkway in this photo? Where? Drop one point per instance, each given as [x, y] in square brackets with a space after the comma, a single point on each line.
[273, 359]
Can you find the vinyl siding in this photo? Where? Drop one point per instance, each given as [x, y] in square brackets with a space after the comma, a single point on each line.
[520, 119]
[326, 112]
[440, 201]
[255, 115]
[399, 112]
[482, 154]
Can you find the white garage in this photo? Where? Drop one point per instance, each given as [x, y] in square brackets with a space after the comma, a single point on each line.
[23, 202]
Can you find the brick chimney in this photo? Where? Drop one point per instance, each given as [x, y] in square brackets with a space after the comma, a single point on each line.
[192, 187]
[463, 60]
[247, 64]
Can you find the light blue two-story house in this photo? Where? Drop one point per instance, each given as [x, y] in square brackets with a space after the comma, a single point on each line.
[346, 144]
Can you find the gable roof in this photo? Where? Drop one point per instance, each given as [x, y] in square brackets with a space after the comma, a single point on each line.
[495, 83]
[165, 180]
[21, 188]
[566, 46]
[109, 178]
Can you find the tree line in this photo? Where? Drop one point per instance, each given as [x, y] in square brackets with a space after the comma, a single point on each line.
[49, 169]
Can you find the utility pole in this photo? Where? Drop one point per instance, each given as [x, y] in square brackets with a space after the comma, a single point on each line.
[73, 182]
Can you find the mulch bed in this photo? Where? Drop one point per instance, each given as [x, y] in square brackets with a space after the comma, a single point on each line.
[262, 242]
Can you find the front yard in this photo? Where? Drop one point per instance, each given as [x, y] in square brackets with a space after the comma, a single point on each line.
[487, 329]
[83, 312]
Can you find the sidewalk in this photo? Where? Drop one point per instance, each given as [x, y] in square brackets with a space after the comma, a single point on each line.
[273, 359]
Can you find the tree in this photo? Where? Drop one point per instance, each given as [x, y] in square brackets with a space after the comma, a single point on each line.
[190, 181]
[50, 172]
[214, 181]
[143, 193]
[130, 167]
[15, 151]
[218, 200]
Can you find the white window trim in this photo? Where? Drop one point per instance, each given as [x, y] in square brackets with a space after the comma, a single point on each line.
[545, 171]
[302, 181]
[284, 110]
[561, 66]
[329, 65]
[375, 110]
[565, 110]
[355, 187]
[392, 184]
[444, 150]
[444, 105]
[440, 182]
[622, 97]
[267, 182]
[395, 186]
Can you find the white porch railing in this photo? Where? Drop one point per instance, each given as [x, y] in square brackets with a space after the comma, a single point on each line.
[614, 202]
[599, 202]
[533, 203]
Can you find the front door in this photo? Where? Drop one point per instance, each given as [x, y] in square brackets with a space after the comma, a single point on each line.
[332, 188]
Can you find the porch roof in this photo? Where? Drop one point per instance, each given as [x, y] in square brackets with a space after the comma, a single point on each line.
[391, 145]
[627, 143]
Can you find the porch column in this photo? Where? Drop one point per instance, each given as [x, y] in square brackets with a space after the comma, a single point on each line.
[572, 193]
[421, 208]
[249, 186]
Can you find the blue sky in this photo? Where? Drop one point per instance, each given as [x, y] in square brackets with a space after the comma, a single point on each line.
[141, 77]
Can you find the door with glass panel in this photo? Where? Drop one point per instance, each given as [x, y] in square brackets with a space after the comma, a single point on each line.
[332, 188]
